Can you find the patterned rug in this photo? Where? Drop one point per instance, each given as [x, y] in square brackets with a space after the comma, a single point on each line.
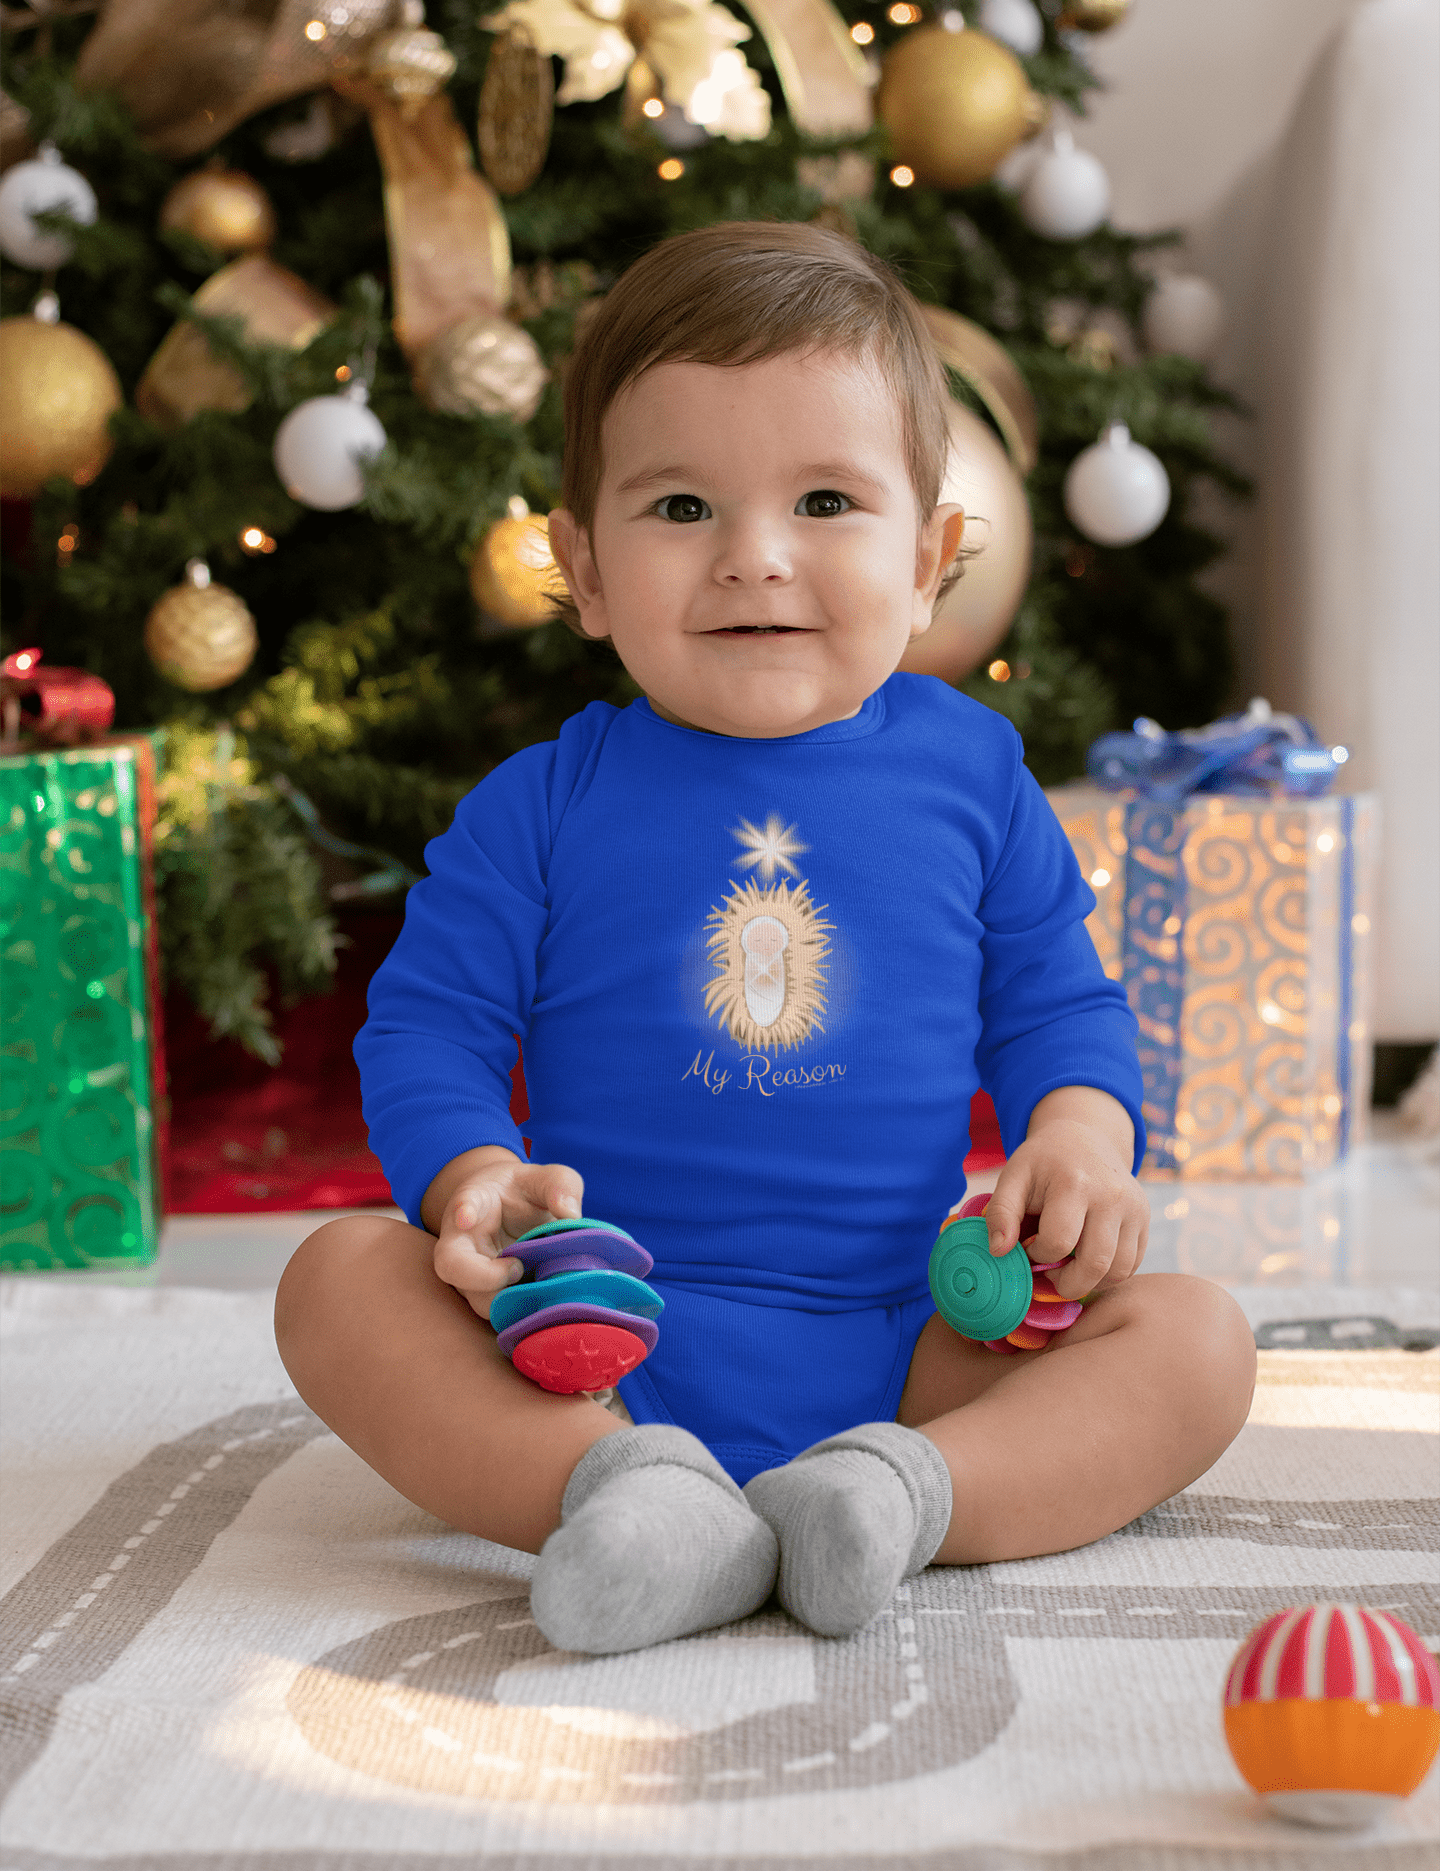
[229, 1647]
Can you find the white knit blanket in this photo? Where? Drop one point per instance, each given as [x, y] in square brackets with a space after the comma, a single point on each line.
[230, 1647]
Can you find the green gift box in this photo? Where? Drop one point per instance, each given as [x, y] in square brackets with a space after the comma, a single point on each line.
[81, 1065]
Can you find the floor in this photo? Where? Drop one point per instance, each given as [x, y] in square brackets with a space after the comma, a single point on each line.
[1371, 1224]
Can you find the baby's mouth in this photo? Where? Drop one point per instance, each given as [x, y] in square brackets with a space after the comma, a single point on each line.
[758, 630]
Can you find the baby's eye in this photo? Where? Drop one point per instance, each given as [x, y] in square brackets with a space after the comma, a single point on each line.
[682, 508]
[823, 504]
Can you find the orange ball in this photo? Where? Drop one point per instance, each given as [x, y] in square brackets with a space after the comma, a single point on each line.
[1333, 1712]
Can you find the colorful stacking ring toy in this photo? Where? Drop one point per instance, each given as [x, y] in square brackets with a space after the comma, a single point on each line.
[1006, 1302]
[582, 1316]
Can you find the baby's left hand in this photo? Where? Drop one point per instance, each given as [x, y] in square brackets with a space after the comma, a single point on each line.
[1073, 1171]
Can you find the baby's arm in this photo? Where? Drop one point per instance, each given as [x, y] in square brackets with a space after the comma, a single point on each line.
[1073, 1171]
[481, 1203]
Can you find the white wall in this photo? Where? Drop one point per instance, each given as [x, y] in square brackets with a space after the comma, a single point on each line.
[1294, 142]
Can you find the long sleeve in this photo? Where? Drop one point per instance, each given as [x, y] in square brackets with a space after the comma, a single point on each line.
[1050, 1016]
[436, 1052]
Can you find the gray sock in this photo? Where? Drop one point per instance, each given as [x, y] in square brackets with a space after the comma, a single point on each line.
[854, 1516]
[655, 1541]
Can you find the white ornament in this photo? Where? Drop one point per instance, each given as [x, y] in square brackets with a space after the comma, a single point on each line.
[40, 187]
[1067, 195]
[1184, 316]
[1014, 23]
[321, 446]
[1116, 491]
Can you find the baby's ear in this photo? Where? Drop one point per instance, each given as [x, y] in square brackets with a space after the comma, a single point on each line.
[570, 547]
[940, 539]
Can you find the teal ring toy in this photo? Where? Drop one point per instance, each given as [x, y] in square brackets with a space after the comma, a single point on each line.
[980, 1296]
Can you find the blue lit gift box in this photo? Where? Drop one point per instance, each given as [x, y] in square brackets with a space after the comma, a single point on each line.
[1235, 900]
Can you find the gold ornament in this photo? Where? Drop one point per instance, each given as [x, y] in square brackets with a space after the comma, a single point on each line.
[513, 577]
[517, 108]
[200, 636]
[223, 207]
[484, 365]
[410, 65]
[185, 376]
[955, 104]
[1092, 15]
[57, 395]
[991, 372]
[977, 610]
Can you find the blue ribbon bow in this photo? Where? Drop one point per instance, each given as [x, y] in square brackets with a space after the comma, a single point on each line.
[1254, 753]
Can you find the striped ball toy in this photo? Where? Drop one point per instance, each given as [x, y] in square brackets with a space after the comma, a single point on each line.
[1333, 1712]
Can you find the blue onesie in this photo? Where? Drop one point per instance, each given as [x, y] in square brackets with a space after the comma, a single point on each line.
[757, 983]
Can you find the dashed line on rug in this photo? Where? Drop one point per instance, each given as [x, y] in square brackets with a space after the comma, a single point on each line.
[130, 1547]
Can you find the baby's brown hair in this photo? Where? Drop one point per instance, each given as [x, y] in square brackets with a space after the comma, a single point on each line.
[736, 293]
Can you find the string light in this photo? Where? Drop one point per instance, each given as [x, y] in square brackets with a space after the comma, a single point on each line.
[25, 659]
[863, 33]
[67, 542]
[902, 14]
[1099, 879]
[256, 540]
[315, 30]
[343, 373]
[902, 176]
[671, 169]
[999, 671]
[653, 107]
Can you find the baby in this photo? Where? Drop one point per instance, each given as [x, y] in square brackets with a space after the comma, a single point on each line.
[762, 932]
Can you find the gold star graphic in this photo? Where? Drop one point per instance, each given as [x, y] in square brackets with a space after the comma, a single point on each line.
[769, 850]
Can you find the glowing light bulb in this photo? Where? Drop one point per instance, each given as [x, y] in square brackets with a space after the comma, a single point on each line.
[343, 373]
[1099, 879]
[653, 107]
[901, 175]
[863, 33]
[315, 30]
[671, 169]
[902, 14]
[999, 670]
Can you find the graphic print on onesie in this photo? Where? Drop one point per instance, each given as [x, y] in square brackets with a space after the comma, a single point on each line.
[768, 943]
[768, 946]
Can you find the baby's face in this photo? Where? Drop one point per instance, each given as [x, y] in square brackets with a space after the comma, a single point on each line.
[755, 556]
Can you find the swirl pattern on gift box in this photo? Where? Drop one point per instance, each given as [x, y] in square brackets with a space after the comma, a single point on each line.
[77, 1170]
[1241, 928]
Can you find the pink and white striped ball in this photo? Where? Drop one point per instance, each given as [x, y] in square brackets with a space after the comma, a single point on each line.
[1333, 1712]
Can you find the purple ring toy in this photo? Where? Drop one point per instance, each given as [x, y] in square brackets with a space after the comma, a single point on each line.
[576, 1312]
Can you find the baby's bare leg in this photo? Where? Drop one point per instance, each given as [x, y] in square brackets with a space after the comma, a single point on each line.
[400, 1367]
[1048, 1450]
[645, 1538]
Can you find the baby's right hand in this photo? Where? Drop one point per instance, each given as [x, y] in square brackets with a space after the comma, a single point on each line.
[491, 1197]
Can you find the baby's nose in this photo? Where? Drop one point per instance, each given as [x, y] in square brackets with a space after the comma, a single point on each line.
[752, 555]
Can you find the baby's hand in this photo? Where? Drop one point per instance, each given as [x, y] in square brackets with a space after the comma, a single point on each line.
[1073, 1171]
[491, 1197]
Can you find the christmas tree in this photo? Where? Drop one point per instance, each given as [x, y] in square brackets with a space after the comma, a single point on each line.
[250, 244]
